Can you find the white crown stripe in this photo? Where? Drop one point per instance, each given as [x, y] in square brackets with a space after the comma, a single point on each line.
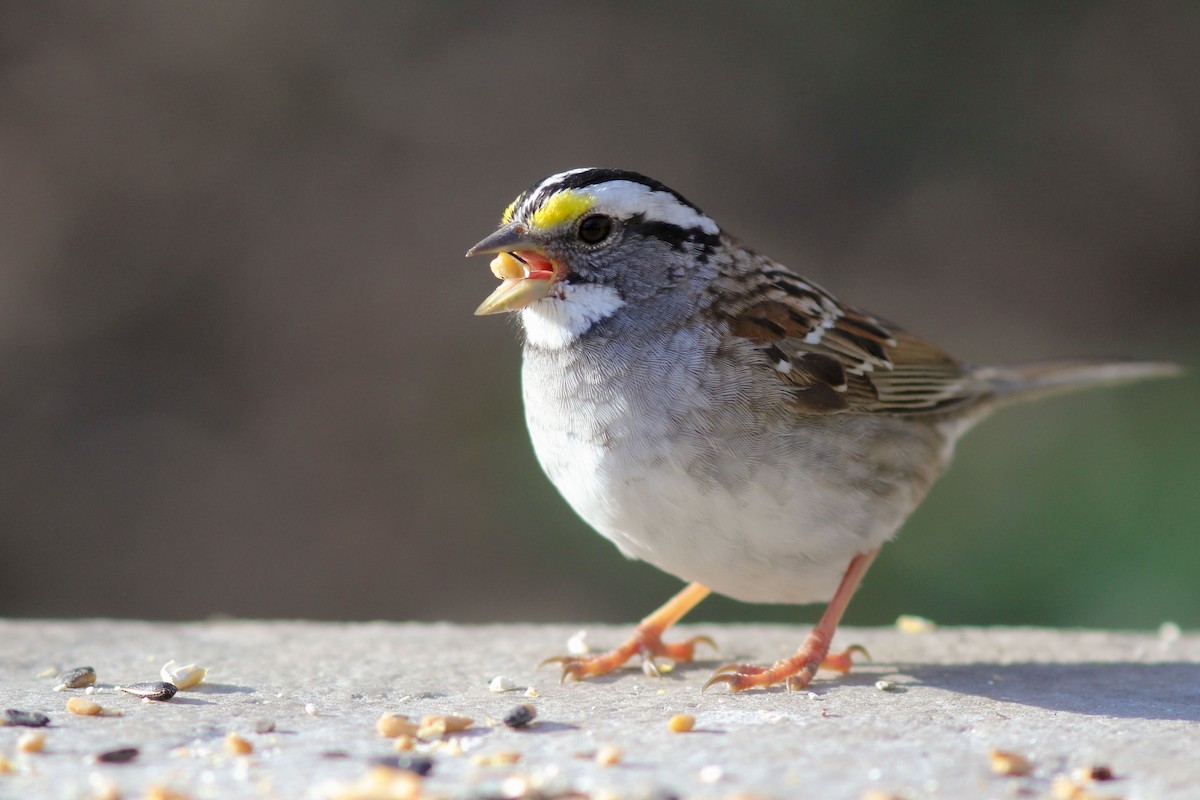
[622, 199]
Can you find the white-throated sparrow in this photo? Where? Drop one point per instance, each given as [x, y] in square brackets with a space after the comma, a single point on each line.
[713, 413]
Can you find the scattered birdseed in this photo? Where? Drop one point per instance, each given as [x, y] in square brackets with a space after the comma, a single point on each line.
[520, 716]
[381, 782]
[1005, 762]
[501, 758]
[911, 623]
[28, 719]
[5, 765]
[440, 725]
[577, 645]
[48, 672]
[75, 678]
[31, 742]
[681, 723]
[237, 746]
[608, 755]
[876, 794]
[90, 690]
[310, 709]
[184, 677]
[532, 692]
[159, 792]
[1094, 772]
[151, 690]
[121, 755]
[83, 707]
[418, 765]
[711, 774]
[403, 744]
[501, 683]
[393, 725]
[264, 726]
[886, 686]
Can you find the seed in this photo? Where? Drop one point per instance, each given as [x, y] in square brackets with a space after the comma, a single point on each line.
[440, 725]
[507, 268]
[151, 690]
[608, 755]
[886, 686]
[310, 709]
[160, 792]
[237, 746]
[393, 725]
[1008, 763]
[31, 742]
[577, 645]
[184, 677]
[911, 623]
[403, 744]
[83, 707]
[28, 719]
[498, 759]
[5, 765]
[1096, 772]
[120, 756]
[681, 723]
[76, 678]
[500, 683]
[264, 726]
[520, 716]
[419, 765]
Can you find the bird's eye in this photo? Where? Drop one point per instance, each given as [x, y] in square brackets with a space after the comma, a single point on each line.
[595, 229]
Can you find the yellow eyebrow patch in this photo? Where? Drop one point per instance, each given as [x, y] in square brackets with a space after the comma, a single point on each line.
[508, 212]
[560, 208]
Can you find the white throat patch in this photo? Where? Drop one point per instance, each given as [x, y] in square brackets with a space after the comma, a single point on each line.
[554, 322]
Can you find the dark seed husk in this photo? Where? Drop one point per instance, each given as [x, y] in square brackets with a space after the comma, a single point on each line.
[77, 678]
[29, 719]
[153, 690]
[422, 765]
[520, 716]
[122, 755]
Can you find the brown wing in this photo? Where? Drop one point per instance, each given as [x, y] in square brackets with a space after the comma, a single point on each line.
[838, 358]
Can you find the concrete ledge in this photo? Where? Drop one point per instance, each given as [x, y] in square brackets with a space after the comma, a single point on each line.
[1062, 699]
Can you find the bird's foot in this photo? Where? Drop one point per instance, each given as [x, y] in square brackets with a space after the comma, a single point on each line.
[646, 641]
[797, 671]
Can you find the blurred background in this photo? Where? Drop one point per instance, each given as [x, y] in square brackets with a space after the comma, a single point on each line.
[239, 372]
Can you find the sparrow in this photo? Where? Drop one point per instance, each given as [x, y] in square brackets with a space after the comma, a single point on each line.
[713, 413]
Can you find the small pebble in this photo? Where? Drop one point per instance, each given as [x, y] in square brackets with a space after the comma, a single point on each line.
[608, 755]
[264, 726]
[76, 678]
[28, 719]
[151, 690]
[520, 716]
[886, 686]
[31, 742]
[121, 755]
[83, 707]
[681, 723]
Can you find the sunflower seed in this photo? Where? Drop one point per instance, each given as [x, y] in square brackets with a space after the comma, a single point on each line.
[121, 755]
[29, 719]
[151, 690]
[520, 716]
[76, 678]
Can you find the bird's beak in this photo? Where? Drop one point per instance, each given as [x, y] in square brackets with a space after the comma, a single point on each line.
[526, 272]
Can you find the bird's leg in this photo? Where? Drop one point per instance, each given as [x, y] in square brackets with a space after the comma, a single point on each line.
[814, 653]
[646, 640]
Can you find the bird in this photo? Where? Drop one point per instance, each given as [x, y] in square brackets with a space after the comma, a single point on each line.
[715, 414]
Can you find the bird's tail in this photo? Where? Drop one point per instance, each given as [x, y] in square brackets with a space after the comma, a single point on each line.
[1021, 382]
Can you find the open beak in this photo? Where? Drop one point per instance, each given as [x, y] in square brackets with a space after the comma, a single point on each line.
[526, 272]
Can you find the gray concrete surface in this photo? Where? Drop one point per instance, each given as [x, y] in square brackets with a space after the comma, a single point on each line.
[1062, 699]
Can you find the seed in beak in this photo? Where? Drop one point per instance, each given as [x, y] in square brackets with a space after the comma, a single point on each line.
[507, 267]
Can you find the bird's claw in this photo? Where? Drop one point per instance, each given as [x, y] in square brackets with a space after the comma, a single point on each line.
[649, 646]
[796, 672]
